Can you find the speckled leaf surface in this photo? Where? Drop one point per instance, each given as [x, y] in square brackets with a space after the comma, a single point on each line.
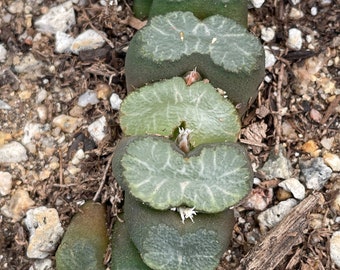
[176, 34]
[161, 107]
[210, 178]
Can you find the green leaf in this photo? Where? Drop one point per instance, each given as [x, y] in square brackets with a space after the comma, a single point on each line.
[141, 8]
[221, 50]
[125, 255]
[161, 107]
[166, 243]
[210, 178]
[236, 10]
[85, 241]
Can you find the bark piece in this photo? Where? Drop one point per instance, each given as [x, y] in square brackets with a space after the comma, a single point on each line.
[280, 240]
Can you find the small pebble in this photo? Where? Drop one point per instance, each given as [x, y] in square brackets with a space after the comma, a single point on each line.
[12, 152]
[335, 205]
[277, 166]
[327, 143]
[315, 115]
[315, 173]
[44, 264]
[3, 53]
[16, 7]
[103, 91]
[311, 148]
[87, 40]
[257, 3]
[115, 101]
[283, 195]
[63, 42]
[335, 248]
[272, 216]
[4, 105]
[295, 14]
[314, 11]
[294, 40]
[295, 187]
[88, 98]
[45, 231]
[267, 34]
[66, 123]
[28, 64]
[17, 206]
[5, 183]
[42, 113]
[97, 129]
[258, 199]
[332, 160]
[59, 18]
[31, 130]
[78, 156]
[41, 96]
[270, 58]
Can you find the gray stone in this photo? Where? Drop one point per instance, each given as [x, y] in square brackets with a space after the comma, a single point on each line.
[5, 183]
[97, 129]
[45, 264]
[28, 64]
[267, 34]
[4, 105]
[59, 18]
[63, 42]
[257, 3]
[115, 101]
[272, 216]
[12, 152]
[87, 40]
[295, 187]
[3, 53]
[315, 173]
[270, 58]
[277, 166]
[335, 248]
[88, 98]
[45, 231]
[294, 40]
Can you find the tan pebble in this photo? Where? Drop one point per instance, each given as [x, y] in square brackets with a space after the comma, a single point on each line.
[103, 91]
[315, 220]
[332, 160]
[17, 206]
[76, 111]
[283, 195]
[24, 95]
[54, 165]
[311, 148]
[5, 183]
[66, 123]
[44, 174]
[327, 143]
[42, 113]
[335, 205]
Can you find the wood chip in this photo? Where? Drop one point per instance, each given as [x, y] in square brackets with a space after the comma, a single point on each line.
[280, 240]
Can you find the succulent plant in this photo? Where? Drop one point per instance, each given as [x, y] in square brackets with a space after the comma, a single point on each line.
[236, 10]
[125, 255]
[164, 242]
[220, 49]
[210, 178]
[85, 241]
[160, 108]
